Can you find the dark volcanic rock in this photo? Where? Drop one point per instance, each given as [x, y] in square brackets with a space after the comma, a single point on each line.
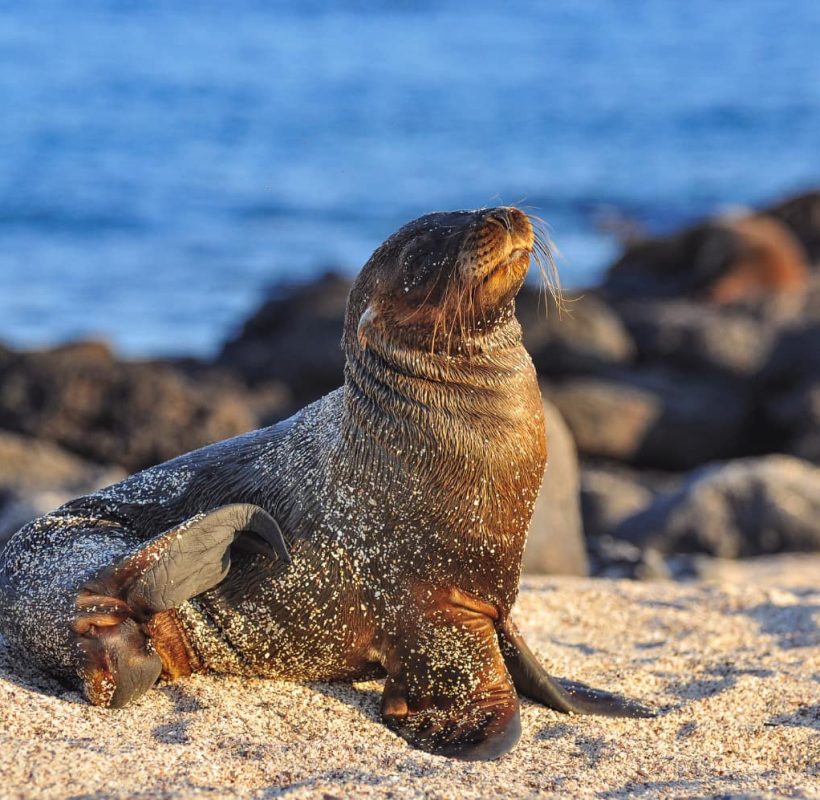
[796, 356]
[294, 338]
[791, 385]
[743, 508]
[127, 413]
[585, 335]
[735, 339]
[611, 493]
[37, 476]
[655, 417]
[555, 544]
[679, 265]
[801, 214]
[723, 260]
[268, 402]
[699, 336]
[797, 412]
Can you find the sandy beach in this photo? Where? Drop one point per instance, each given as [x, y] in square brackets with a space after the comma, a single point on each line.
[216, 215]
[733, 666]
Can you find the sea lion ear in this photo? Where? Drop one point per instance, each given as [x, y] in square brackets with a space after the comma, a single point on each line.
[190, 558]
[368, 317]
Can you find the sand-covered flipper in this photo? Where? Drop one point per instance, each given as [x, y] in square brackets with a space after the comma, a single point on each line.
[84, 597]
[569, 697]
[189, 559]
[448, 691]
[126, 638]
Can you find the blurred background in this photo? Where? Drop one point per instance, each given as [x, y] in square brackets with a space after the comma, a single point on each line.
[162, 163]
[187, 188]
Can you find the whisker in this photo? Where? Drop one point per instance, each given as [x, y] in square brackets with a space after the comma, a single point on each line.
[544, 255]
[457, 319]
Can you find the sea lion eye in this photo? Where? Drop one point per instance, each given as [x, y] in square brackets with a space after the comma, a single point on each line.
[414, 265]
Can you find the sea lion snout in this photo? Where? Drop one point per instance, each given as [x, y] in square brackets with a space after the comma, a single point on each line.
[498, 251]
[516, 223]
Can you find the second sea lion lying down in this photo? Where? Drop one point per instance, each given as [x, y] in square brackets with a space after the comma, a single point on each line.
[379, 531]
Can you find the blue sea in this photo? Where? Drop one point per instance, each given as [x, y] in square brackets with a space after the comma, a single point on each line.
[163, 163]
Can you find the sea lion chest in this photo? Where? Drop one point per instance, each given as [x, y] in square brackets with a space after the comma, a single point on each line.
[379, 506]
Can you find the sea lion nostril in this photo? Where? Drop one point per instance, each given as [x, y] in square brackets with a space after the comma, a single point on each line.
[514, 221]
[502, 217]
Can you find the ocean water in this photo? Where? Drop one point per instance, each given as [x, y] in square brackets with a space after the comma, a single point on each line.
[163, 163]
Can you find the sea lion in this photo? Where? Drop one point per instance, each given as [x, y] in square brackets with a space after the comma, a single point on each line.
[725, 260]
[770, 260]
[379, 531]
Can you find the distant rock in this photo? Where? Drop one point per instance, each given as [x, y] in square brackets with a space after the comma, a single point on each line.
[791, 382]
[37, 476]
[738, 339]
[269, 401]
[747, 507]
[724, 260]
[295, 338]
[655, 417]
[796, 355]
[801, 214]
[134, 414]
[555, 544]
[584, 335]
[699, 337]
[611, 493]
[796, 412]
[770, 260]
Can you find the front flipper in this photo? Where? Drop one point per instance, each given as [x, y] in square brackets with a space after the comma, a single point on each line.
[132, 601]
[189, 559]
[448, 691]
[569, 697]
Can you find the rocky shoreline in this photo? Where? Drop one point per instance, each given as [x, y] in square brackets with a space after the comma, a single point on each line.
[682, 396]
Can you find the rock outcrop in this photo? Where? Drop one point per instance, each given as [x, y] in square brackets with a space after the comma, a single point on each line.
[555, 544]
[655, 417]
[744, 508]
[37, 476]
[294, 338]
[115, 412]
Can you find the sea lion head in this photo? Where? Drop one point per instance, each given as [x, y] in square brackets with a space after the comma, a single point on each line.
[445, 281]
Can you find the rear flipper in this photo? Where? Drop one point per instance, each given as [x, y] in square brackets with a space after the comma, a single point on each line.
[569, 697]
[83, 598]
[128, 631]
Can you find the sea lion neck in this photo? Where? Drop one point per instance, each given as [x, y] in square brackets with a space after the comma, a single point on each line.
[477, 370]
[442, 435]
